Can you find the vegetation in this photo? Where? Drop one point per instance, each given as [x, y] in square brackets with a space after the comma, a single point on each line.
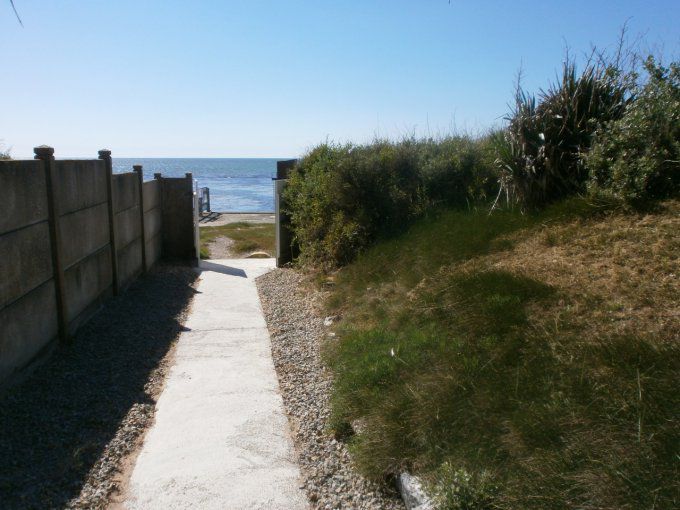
[609, 131]
[517, 361]
[509, 304]
[4, 154]
[540, 152]
[247, 237]
[341, 198]
[637, 157]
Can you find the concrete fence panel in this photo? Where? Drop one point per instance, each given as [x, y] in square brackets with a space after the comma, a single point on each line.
[71, 234]
[153, 236]
[129, 262]
[152, 195]
[82, 233]
[125, 191]
[80, 184]
[128, 227]
[23, 194]
[27, 328]
[153, 221]
[88, 283]
[25, 261]
[127, 211]
[28, 320]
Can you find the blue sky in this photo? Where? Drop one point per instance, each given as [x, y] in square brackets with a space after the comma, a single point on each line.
[271, 78]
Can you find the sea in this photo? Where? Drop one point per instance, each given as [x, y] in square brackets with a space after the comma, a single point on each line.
[236, 184]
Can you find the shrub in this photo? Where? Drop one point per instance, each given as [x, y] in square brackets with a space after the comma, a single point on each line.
[458, 171]
[540, 153]
[342, 197]
[637, 157]
[4, 154]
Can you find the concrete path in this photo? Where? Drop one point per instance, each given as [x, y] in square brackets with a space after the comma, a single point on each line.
[220, 439]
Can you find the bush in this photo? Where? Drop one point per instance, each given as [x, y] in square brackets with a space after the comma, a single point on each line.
[342, 197]
[637, 157]
[540, 153]
[4, 154]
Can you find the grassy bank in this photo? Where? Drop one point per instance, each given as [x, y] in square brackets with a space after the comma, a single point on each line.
[509, 303]
[517, 361]
[247, 238]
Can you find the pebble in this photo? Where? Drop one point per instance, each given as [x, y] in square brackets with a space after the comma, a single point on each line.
[297, 328]
[67, 428]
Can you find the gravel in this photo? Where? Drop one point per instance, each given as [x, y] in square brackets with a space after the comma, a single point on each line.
[297, 330]
[66, 430]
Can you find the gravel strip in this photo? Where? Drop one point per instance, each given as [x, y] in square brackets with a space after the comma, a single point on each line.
[297, 330]
[67, 428]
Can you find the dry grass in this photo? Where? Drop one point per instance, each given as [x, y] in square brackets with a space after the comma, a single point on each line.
[616, 274]
[541, 350]
[248, 238]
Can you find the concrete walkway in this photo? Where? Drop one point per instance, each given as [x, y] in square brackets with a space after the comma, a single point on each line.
[220, 439]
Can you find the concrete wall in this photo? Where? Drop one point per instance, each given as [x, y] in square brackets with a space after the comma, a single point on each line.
[177, 197]
[85, 249]
[127, 220]
[153, 235]
[28, 318]
[71, 235]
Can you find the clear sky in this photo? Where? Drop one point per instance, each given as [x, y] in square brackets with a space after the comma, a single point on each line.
[270, 78]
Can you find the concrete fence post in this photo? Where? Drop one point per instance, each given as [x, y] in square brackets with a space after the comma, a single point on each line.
[105, 155]
[159, 177]
[46, 154]
[194, 217]
[140, 177]
[285, 251]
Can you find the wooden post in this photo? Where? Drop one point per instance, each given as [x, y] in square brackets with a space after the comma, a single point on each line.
[105, 155]
[140, 176]
[46, 154]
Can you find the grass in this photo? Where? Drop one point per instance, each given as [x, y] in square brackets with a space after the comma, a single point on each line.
[517, 361]
[247, 237]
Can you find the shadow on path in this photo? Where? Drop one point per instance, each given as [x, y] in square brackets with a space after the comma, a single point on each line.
[54, 427]
[221, 268]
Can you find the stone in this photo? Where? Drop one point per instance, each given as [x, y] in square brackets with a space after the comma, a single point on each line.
[412, 493]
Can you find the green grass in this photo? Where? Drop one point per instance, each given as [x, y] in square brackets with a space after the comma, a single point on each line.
[247, 237]
[516, 361]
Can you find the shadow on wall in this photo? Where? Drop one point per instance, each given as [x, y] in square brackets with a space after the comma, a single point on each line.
[55, 426]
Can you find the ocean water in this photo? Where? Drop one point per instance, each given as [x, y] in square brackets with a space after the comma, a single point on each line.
[236, 185]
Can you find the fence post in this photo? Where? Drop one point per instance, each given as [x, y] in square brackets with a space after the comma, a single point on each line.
[105, 155]
[285, 251]
[194, 218]
[140, 176]
[159, 177]
[46, 154]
